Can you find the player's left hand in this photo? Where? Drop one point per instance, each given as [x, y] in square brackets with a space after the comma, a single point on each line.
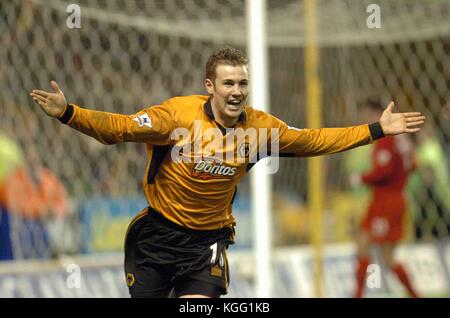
[399, 123]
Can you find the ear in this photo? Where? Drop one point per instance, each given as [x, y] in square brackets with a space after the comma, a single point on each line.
[209, 85]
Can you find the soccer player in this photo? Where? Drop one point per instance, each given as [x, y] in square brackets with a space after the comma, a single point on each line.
[177, 245]
[383, 224]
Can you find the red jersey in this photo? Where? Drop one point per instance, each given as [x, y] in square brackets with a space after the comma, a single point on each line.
[392, 161]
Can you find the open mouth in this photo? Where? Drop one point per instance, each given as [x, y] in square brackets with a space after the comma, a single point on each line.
[234, 103]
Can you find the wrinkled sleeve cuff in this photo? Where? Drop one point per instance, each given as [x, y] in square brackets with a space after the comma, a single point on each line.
[67, 114]
[376, 132]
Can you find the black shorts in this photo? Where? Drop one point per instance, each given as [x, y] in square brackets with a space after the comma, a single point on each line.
[164, 259]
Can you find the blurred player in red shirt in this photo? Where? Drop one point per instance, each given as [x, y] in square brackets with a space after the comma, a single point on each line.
[383, 224]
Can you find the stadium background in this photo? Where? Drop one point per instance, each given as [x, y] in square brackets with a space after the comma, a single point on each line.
[131, 54]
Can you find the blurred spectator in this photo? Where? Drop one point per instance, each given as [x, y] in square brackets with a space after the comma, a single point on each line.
[430, 187]
[32, 196]
[10, 158]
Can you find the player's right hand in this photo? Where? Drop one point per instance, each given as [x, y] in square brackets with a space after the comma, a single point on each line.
[53, 104]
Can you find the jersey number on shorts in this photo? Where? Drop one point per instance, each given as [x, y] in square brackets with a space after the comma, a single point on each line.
[214, 255]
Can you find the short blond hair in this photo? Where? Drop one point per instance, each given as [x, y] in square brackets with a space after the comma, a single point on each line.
[226, 55]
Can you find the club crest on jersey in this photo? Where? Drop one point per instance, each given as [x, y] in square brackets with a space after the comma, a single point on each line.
[130, 279]
[143, 120]
[244, 150]
[207, 170]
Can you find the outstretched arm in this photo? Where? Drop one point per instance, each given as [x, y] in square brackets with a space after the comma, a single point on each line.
[151, 125]
[313, 142]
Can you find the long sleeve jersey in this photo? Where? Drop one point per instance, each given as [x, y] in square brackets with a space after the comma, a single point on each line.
[194, 164]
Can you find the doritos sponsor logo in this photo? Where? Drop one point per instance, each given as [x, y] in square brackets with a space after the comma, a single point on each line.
[208, 170]
[143, 120]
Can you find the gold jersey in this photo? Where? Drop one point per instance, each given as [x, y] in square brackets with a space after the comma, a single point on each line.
[194, 164]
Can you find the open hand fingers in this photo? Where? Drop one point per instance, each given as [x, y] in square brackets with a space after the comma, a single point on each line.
[39, 102]
[414, 119]
[390, 107]
[416, 123]
[413, 114]
[412, 130]
[40, 93]
[38, 98]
